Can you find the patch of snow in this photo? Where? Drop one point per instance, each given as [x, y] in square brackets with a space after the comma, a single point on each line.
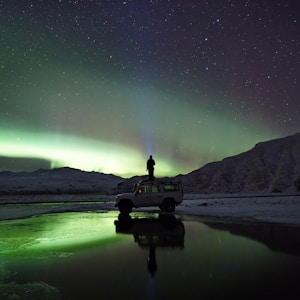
[282, 210]
[279, 209]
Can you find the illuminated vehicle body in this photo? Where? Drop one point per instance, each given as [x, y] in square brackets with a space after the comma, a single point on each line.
[166, 194]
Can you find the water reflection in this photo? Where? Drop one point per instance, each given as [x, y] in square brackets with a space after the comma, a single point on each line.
[164, 231]
[187, 258]
[278, 238]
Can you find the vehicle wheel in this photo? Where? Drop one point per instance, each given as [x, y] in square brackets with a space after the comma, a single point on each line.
[125, 208]
[168, 205]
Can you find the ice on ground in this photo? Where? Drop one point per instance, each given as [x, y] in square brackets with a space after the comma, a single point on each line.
[272, 209]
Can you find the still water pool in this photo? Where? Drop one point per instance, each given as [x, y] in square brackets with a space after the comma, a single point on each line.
[103, 255]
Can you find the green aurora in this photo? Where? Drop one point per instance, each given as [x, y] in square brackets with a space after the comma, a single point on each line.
[79, 90]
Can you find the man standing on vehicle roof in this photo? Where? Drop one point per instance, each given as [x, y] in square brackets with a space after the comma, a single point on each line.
[150, 167]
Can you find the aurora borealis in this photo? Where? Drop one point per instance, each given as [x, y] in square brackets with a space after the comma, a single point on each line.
[100, 85]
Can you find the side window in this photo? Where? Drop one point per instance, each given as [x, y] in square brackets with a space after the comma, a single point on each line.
[155, 188]
[142, 189]
[171, 187]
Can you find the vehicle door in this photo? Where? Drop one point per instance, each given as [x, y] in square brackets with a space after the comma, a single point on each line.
[142, 196]
[156, 194]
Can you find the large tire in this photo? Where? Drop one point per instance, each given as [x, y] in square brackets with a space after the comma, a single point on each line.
[168, 205]
[125, 207]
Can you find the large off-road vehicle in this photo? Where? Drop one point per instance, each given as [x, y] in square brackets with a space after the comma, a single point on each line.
[165, 194]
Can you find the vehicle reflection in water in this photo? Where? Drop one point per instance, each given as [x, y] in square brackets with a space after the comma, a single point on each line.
[164, 231]
[104, 257]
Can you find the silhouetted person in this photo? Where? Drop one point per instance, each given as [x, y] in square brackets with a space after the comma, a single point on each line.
[151, 261]
[150, 167]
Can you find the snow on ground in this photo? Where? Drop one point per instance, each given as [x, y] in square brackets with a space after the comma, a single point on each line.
[272, 209]
[69, 185]
[284, 209]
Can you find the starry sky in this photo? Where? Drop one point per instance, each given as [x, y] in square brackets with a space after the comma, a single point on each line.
[101, 85]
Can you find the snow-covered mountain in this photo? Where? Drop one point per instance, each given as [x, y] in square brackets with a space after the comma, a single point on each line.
[272, 166]
[61, 180]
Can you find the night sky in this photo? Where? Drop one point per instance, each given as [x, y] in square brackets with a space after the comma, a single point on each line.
[100, 85]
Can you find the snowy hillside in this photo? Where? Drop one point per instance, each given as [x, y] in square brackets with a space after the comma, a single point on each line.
[61, 180]
[272, 166]
[269, 167]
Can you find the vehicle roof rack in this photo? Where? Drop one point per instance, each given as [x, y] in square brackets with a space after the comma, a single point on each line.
[160, 180]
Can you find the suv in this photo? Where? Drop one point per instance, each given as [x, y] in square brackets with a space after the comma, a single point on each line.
[165, 194]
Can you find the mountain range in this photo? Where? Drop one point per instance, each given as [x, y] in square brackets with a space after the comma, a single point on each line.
[57, 181]
[270, 167]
